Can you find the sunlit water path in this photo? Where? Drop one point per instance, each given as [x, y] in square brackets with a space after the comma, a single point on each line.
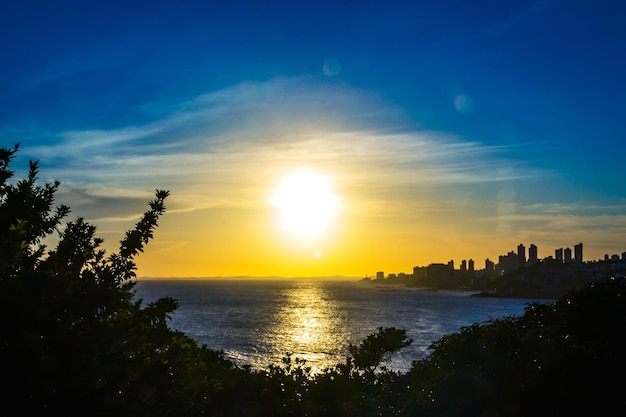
[258, 322]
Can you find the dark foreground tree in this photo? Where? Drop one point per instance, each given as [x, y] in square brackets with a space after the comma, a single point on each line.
[566, 357]
[73, 339]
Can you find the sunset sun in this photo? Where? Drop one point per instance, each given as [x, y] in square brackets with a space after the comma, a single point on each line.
[305, 203]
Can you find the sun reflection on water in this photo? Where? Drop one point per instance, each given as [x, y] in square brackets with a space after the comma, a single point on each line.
[309, 326]
[256, 323]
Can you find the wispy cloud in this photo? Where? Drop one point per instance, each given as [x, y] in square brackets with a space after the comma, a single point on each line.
[221, 147]
[562, 225]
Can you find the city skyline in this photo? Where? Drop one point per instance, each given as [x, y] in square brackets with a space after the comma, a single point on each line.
[325, 138]
[514, 259]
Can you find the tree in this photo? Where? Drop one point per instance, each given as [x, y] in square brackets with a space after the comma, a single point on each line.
[559, 358]
[75, 341]
[73, 338]
[377, 348]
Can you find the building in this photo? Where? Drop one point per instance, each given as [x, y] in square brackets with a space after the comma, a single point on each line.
[578, 252]
[532, 254]
[440, 275]
[567, 255]
[558, 254]
[507, 263]
[419, 272]
[521, 255]
[490, 267]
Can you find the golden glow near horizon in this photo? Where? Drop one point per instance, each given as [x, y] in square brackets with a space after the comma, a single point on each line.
[450, 168]
[321, 195]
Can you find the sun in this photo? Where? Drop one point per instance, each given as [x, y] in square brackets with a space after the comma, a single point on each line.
[305, 203]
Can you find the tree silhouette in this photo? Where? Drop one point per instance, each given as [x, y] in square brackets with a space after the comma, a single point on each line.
[73, 338]
[75, 341]
[558, 358]
[377, 348]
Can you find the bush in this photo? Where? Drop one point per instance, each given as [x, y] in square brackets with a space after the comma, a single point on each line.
[558, 358]
[74, 340]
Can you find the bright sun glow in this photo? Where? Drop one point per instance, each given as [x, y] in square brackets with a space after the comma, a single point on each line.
[306, 204]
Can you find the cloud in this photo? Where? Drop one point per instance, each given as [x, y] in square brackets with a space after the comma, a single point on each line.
[98, 203]
[563, 225]
[230, 147]
[223, 147]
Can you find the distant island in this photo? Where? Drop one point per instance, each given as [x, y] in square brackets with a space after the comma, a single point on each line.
[545, 279]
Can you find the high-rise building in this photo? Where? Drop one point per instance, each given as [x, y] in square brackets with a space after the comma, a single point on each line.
[463, 265]
[521, 255]
[532, 254]
[558, 254]
[567, 255]
[470, 265]
[507, 263]
[490, 267]
[439, 275]
[578, 252]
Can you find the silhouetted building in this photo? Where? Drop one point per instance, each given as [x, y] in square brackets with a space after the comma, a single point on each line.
[463, 265]
[507, 263]
[532, 254]
[567, 255]
[380, 275]
[470, 265]
[490, 267]
[578, 252]
[419, 272]
[558, 254]
[440, 275]
[521, 255]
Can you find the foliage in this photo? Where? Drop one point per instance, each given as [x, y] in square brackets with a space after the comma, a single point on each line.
[377, 347]
[557, 358]
[76, 341]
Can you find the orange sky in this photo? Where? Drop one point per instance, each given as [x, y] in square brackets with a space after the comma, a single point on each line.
[444, 131]
[390, 218]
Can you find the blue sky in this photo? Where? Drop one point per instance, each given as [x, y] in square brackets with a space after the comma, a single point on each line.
[445, 125]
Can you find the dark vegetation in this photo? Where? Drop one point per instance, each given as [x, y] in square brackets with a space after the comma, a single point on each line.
[76, 342]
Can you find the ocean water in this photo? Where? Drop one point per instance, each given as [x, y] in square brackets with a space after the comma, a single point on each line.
[257, 322]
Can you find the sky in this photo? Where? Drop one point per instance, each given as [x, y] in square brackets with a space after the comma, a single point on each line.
[325, 138]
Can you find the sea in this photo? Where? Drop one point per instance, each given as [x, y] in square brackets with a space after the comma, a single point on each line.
[259, 322]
